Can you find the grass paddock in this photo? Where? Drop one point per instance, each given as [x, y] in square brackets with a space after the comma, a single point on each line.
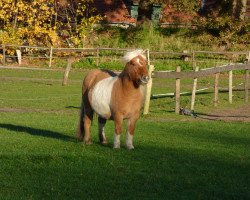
[175, 157]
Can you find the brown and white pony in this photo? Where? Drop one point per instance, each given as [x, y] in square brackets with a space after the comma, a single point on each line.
[115, 97]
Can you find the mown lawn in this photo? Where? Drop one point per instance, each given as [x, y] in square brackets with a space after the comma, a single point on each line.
[174, 158]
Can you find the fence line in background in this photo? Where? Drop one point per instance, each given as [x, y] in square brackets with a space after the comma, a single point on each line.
[178, 75]
[185, 55]
[202, 72]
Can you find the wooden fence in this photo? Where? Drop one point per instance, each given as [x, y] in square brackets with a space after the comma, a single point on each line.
[186, 56]
[178, 75]
[51, 53]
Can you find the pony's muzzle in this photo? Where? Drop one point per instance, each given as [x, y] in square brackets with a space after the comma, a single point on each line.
[144, 79]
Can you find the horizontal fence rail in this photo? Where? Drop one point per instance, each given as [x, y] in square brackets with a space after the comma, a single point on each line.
[178, 75]
[201, 73]
[98, 53]
[194, 58]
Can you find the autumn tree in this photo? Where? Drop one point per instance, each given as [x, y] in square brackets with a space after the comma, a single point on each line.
[42, 21]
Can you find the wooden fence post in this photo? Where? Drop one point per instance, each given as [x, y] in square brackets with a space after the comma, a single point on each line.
[216, 89]
[67, 70]
[193, 60]
[4, 54]
[19, 56]
[246, 82]
[97, 57]
[148, 90]
[177, 92]
[185, 57]
[148, 58]
[230, 87]
[50, 56]
[194, 90]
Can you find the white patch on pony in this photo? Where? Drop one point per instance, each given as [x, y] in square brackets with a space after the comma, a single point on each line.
[129, 141]
[132, 54]
[101, 97]
[102, 133]
[117, 141]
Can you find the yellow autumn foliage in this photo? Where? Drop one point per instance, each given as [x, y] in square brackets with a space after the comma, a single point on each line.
[36, 22]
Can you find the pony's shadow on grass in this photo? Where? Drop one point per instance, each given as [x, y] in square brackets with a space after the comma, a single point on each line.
[38, 132]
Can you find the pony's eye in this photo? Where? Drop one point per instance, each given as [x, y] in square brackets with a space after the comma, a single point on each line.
[133, 63]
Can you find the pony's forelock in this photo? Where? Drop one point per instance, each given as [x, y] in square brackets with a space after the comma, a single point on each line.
[132, 54]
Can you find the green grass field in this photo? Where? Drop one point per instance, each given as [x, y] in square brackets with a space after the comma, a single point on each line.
[175, 157]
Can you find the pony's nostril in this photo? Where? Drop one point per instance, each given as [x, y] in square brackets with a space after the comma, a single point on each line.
[144, 79]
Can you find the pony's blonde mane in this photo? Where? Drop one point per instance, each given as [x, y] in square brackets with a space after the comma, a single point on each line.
[132, 54]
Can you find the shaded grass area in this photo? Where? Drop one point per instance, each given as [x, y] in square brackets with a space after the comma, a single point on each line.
[40, 158]
[170, 161]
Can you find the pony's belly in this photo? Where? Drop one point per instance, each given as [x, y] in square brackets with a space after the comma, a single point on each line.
[101, 97]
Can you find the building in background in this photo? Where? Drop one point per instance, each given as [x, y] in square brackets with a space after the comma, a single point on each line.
[130, 12]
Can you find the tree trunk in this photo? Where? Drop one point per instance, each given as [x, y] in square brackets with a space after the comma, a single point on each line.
[239, 9]
[243, 9]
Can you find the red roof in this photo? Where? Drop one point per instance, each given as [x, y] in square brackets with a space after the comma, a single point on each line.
[116, 11]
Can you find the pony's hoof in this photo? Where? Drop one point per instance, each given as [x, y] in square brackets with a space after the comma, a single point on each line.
[116, 146]
[79, 139]
[105, 142]
[130, 147]
[87, 142]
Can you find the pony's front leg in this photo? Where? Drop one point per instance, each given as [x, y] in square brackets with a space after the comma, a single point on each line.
[130, 133]
[118, 131]
[101, 124]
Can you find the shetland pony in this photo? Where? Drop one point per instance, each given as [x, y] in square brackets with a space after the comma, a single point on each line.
[114, 97]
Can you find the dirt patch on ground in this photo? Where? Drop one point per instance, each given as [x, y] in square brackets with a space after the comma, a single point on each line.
[236, 114]
[240, 114]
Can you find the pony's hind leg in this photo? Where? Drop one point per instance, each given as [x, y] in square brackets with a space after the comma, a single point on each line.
[87, 119]
[80, 128]
[101, 134]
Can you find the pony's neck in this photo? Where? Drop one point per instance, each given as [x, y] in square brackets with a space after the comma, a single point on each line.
[127, 83]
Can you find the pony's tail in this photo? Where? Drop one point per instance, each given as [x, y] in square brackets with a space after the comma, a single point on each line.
[80, 128]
